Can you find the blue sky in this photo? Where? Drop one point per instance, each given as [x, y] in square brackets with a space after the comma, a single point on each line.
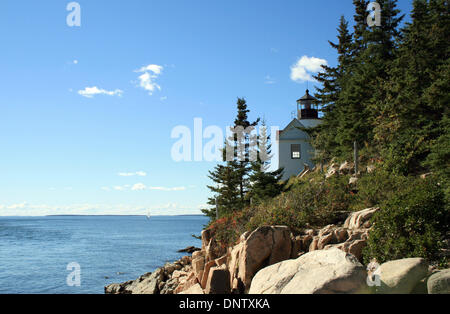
[80, 125]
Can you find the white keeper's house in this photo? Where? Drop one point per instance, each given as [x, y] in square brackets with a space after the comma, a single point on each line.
[294, 150]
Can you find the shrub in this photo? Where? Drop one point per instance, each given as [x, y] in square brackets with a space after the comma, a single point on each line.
[374, 188]
[306, 204]
[409, 224]
[229, 228]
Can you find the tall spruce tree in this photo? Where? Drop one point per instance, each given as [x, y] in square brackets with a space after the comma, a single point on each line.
[231, 179]
[410, 116]
[331, 79]
[241, 144]
[361, 27]
[225, 188]
[373, 50]
[264, 184]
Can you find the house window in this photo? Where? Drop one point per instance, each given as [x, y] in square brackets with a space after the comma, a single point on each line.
[295, 151]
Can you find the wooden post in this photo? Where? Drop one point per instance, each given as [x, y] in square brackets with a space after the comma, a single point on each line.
[356, 157]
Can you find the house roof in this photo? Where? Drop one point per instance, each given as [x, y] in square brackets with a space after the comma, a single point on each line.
[294, 124]
[307, 97]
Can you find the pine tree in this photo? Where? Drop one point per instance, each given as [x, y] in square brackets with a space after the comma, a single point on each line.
[264, 184]
[241, 162]
[416, 95]
[360, 28]
[373, 50]
[225, 189]
[332, 79]
[231, 179]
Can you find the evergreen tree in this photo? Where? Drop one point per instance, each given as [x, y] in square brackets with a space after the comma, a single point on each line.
[264, 184]
[416, 95]
[373, 51]
[231, 179]
[225, 189]
[331, 79]
[241, 163]
[361, 27]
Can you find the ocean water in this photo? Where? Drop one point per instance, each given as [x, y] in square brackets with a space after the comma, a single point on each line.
[35, 251]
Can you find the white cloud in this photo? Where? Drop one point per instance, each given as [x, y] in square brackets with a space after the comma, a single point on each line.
[305, 67]
[156, 69]
[132, 174]
[143, 187]
[149, 76]
[160, 188]
[90, 92]
[138, 187]
[28, 209]
[75, 61]
[17, 206]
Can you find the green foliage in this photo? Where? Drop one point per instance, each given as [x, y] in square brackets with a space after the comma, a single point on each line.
[226, 189]
[231, 179]
[439, 158]
[415, 95]
[264, 184]
[331, 79]
[316, 203]
[409, 224]
[229, 228]
[374, 188]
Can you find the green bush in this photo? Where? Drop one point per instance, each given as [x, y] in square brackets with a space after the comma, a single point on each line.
[374, 188]
[409, 224]
[306, 204]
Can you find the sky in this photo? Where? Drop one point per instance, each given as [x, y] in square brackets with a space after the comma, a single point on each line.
[87, 112]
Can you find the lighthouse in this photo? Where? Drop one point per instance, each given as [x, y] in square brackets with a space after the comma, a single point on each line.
[294, 149]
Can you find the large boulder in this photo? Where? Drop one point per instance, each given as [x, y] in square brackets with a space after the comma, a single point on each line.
[358, 220]
[198, 265]
[195, 289]
[402, 276]
[318, 272]
[218, 281]
[265, 246]
[118, 288]
[206, 237]
[233, 265]
[354, 244]
[186, 282]
[146, 284]
[205, 276]
[439, 283]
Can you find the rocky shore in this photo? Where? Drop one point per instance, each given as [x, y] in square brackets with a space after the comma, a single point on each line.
[271, 260]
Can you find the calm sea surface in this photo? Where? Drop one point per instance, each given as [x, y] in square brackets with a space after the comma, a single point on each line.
[35, 252]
